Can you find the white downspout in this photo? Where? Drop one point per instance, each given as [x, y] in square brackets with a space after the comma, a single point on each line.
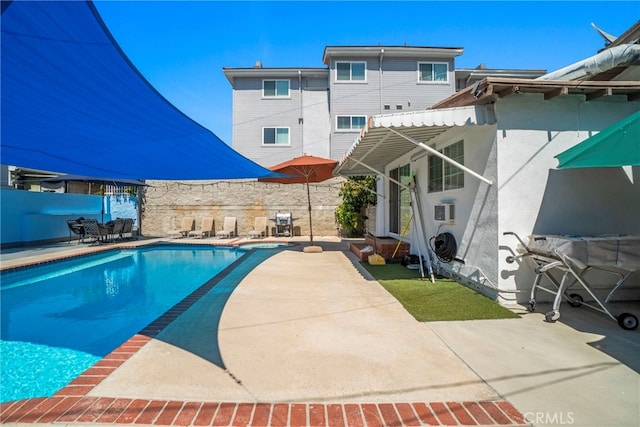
[608, 59]
[301, 117]
[380, 81]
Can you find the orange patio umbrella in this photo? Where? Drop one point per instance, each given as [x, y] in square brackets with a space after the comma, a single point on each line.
[303, 170]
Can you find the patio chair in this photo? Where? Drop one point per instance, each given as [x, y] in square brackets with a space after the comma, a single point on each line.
[185, 228]
[127, 229]
[92, 228]
[229, 227]
[114, 229]
[259, 228]
[75, 227]
[206, 228]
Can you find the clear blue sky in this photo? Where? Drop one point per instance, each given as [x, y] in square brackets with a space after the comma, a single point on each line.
[182, 46]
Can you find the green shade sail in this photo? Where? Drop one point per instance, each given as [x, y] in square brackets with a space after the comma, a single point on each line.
[617, 145]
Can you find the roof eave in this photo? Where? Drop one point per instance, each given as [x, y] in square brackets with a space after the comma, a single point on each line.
[232, 73]
[632, 35]
[489, 89]
[391, 51]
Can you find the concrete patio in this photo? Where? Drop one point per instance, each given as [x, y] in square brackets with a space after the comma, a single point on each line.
[315, 328]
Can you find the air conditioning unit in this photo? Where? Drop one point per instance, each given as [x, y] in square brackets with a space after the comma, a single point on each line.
[445, 212]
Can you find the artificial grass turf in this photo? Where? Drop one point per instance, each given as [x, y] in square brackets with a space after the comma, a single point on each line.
[429, 302]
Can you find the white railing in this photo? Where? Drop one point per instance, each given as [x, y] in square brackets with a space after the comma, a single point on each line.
[114, 190]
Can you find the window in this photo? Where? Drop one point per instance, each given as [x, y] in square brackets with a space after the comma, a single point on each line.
[443, 175]
[275, 136]
[433, 72]
[351, 71]
[275, 88]
[399, 199]
[351, 122]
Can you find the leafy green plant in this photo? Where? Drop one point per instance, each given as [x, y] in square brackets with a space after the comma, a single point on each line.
[357, 194]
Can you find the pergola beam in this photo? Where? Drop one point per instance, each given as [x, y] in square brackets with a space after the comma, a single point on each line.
[556, 92]
[599, 94]
[508, 91]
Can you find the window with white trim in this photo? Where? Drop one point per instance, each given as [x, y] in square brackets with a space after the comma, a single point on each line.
[443, 175]
[350, 122]
[433, 72]
[275, 136]
[275, 88]
[352, 71]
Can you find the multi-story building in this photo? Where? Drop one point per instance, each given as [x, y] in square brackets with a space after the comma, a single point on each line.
[281, 113]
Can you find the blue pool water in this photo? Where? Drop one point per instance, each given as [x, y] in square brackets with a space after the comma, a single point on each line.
[58, 319]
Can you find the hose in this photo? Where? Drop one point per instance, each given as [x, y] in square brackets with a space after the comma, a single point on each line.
[444, 246]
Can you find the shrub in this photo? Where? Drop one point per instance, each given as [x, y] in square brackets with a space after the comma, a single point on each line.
[357, 194]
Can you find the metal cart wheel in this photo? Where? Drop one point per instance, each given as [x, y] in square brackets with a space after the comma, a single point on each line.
[628, 321]
[552, 316]
[531, 306]
[575, 300]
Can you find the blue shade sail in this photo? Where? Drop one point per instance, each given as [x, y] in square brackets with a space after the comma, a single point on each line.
[73, 103]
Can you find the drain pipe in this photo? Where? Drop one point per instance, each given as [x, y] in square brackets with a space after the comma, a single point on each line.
[301, 117]
[608, 59]
[380, 81]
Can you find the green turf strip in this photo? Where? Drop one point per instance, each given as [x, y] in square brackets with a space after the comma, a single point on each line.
[429, 302]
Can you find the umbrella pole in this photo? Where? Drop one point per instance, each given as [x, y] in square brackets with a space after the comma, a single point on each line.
[309, 201]
[102, 208]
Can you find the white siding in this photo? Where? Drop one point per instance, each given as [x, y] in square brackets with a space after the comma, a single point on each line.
[252, 113]
[396, 84]
[317, 126]
[322, 100]
[400, 86]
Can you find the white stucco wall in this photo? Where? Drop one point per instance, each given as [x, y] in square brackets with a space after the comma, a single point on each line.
[534, 197]
[528, 195]
[475, 226]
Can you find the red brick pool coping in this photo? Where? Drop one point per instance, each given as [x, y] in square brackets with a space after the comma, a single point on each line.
[72, 405]
[104, 410]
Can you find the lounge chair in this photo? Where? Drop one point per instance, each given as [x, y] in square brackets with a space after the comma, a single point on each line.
[206, 228]
[259, 228]
[185, 228]
[229, 227]
[92, 228]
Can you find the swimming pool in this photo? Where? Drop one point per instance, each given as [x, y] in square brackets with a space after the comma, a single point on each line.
[265, 245]
[60, 318]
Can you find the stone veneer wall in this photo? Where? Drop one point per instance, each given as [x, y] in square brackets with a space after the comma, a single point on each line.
[165, 203]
